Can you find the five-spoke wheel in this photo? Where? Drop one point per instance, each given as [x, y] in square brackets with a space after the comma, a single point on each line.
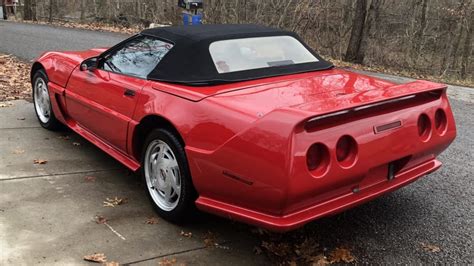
[166, 175]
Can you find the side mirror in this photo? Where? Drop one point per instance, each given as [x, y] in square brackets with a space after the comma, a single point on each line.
[89, 64]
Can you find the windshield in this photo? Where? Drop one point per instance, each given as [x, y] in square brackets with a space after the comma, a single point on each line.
[261, 52]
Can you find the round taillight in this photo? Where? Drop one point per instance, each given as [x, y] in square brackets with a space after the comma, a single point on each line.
[441, 122]
[346, 151]
[317, 159]
[424, 127]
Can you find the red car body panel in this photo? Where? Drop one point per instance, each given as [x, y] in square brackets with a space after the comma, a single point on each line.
[247, 142]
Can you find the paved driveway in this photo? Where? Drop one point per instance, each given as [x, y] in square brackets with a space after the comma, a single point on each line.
[47, 211]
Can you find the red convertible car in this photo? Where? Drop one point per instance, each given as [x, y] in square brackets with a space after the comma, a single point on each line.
[244, 121]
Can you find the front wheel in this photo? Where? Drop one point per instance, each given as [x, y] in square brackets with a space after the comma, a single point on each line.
[42, 102]
[166, 176]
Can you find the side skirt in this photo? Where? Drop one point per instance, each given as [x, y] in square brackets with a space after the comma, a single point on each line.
[126, 160]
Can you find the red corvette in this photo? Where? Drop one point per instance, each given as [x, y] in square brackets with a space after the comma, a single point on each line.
[244, 121]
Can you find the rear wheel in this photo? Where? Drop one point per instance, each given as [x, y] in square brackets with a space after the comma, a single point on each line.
[42, 102]
[166, 176]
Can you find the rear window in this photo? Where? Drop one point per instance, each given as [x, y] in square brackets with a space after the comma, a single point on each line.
[261, 52]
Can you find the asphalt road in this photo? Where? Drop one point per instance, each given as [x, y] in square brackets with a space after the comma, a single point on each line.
[28, 41]
[436, 210]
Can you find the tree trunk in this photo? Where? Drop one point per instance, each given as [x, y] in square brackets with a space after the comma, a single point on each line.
[418, 38]
[83, 10]
[51, 3]
[352, 53]
[467, 49]
[27, 14]
[453, 46]
[369, 29]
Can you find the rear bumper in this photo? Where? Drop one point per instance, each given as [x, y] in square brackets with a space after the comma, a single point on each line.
[297, 219]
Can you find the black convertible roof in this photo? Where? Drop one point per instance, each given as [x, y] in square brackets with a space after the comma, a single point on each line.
[189, 61]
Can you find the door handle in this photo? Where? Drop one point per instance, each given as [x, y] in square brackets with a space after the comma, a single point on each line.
[129, 93]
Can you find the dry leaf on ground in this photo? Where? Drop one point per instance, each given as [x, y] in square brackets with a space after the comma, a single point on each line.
[112, 263]
[99, 219]
[39, 161]
[341, 255]
[65, 137]
[186, 234]
[21, 118]
[90, 179]
[319, 260]
[210, 239]
[96, 257]
[14, 79]
[18, 151]
[151, 220]
[76, 144]
[112, 202]
[431, 248]
[167, 262]
[95, 26]
[3, 105]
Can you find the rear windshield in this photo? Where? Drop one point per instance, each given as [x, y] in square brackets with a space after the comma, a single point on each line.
[261, 52]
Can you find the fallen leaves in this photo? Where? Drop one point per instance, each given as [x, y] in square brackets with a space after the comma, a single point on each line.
[210, 239]
[113, 202]
[167, 262]
[99, 219]
[4, 105]
[18, 151]
[95, 26]
[151, 220]
[39, 161]
[14, 79]
[431, 248]
[64, 137]
[96, 257]
[320, 260]
[299, 248]
[90, 179]
[186, 234]
[341, 255]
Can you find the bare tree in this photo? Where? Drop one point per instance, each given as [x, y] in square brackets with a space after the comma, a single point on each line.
[357, 33]
[426, 36]
[467, 50]
[50, 17]
[29, 10]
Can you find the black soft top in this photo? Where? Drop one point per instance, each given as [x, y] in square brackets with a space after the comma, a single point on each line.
[189, 62]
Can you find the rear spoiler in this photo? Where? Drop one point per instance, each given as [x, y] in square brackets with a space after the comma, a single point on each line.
[364, 98]
[341, 105]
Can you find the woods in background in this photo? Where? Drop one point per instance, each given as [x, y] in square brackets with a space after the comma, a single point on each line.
[427, 36]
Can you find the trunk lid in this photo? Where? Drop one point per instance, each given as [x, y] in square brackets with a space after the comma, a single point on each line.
[319, 93]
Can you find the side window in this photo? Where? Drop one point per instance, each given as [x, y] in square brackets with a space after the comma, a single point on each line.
[138, 57]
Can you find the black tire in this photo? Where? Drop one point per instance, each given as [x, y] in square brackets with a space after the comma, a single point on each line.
[52, 123]
[185, 207]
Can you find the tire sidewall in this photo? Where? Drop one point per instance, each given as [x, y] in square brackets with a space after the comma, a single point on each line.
[52, 122]
[186, 200]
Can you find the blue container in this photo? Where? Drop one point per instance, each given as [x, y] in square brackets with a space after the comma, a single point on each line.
[190, 19]
[185, 19]
[197, 19]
